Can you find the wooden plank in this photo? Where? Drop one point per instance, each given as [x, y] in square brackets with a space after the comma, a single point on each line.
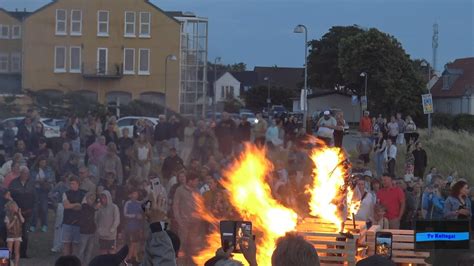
[338, 251]
[325, 234]
[403, 246]
[409, 253]
[403, 238]
[399, 232]
[317, 242]
[410, 260]
[344, 259]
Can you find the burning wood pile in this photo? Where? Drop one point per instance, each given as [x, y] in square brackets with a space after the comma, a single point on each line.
[250, 196]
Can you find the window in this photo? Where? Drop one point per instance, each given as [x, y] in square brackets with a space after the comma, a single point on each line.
[231, 92]
[3, 62]
[129, 24]
[16, 62]
[75, 59]
[129, 61]
[145, 19]
[61, 22]
[144, 62]
[16, 32]
[449, 108]
[103, 23]
[222, 92]
[76, 22]
[4, 32]
[59, 59]
[102, 60]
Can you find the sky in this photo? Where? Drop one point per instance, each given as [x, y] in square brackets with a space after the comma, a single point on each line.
[260, 32]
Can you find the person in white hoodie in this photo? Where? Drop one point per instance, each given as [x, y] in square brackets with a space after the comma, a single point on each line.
[107, 219]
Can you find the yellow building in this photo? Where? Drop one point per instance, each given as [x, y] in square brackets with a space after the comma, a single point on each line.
[10, 51]
[110, 50]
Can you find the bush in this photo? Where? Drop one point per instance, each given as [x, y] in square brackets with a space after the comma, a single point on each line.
[442, 120]
[464, 122]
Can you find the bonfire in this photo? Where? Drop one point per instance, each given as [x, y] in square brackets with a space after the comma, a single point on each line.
[251, 198]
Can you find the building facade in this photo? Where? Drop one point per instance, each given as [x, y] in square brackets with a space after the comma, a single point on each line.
[453, 92]
[112, 52]
[10, 51]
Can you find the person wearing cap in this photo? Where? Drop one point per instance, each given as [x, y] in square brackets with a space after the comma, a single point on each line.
[326, 126]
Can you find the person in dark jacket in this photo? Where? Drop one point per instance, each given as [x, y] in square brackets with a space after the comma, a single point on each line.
[72, 201]
[36, 136]
[72, 133]
[23, 193]
[243, 132]
[110, 134]
[174, 127]
[25, 132]
[171, 164]
[87, 227]
[421, 160]
[9, 138]
[161, 135]
[225, 130]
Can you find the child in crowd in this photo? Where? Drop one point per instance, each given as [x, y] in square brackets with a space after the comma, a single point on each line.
[379, 219]
[133, 224]
[14, 221]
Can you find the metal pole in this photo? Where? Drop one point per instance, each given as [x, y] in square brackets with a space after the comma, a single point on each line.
[366, 97]
[214, 102]
[429, 91]
[305, 116]
[166, 75]
[268, 95]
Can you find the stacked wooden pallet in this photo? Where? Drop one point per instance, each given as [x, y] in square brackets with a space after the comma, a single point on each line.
[333, 247]
[403, 246]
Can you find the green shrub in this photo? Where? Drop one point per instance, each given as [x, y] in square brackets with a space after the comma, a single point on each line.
[442, 120]
[464, 122]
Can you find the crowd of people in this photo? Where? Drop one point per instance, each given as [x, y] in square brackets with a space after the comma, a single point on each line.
[98, 178]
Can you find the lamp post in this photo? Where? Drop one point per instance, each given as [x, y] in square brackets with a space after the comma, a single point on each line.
[216, 60]
[302, 29]
[424, 63]
[170, 57]
[269, 100]
[365, 75]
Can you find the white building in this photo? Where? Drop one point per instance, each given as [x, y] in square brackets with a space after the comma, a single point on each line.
[227, 87]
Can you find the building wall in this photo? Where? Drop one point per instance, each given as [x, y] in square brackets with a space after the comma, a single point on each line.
[40, 41]
[335, 101]
[225, 84]
[10, 45]
[454, 106]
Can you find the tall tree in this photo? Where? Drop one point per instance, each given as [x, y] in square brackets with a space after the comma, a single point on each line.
[393, 83]
[323, 60]
[237, 67]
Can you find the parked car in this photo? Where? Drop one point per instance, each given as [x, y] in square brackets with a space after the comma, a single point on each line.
[52, 126]
[130, 121]
[250, 117]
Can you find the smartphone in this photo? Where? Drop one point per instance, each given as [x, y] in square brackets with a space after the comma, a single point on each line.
[383, 244]
[232, 232]
[4, 257]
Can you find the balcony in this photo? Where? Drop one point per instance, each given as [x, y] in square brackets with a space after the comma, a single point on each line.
[96, 72]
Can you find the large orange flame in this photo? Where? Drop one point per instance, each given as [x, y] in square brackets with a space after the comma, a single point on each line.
[329, 199]
[250, 195]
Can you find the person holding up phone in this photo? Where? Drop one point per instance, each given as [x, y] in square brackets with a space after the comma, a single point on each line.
[458, 206]
[158, 246]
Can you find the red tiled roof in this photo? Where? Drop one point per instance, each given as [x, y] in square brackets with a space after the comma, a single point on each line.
[463, 83]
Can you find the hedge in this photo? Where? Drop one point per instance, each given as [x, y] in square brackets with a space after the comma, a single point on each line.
[459, 122]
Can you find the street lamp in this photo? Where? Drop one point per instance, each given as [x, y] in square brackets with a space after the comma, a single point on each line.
[425, 63]
[170, 57]
[216, 60]
[302, 29]
[365, 75]
[269, 100]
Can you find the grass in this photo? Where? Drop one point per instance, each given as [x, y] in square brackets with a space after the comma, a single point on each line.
[447, 150]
